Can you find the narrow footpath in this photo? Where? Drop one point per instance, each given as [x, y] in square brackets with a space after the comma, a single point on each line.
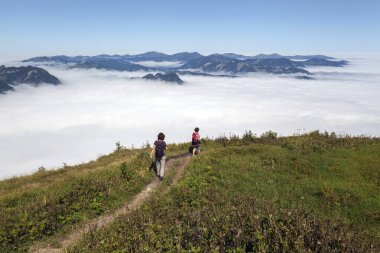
[178, 163]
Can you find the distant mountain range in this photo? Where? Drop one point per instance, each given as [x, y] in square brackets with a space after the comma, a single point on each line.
[222, 65]
[275, 56]
[149, 56]
[159, 57]
[12, 76]
[277, 65]
[229, 63]
[110, 64]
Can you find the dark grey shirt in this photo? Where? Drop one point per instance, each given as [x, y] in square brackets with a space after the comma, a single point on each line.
[162, 144]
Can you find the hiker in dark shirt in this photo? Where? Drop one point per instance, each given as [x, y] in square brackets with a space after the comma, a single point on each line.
[159, 148]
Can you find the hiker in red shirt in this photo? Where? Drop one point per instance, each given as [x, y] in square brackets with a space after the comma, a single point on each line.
[196, 141]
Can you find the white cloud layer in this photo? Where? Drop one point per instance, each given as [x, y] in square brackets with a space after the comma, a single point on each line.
[84, 117]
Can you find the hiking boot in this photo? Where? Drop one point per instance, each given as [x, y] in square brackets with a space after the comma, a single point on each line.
[161, 178]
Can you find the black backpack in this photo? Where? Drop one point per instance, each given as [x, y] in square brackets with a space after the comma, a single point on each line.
[159, 151]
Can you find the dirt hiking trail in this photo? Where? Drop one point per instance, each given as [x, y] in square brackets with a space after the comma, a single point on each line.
[178, 163]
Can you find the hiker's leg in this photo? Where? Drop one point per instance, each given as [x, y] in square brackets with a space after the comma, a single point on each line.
[162, 171]
[158, 167]
[194, 149]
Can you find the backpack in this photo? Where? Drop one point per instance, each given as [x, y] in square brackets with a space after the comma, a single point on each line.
[159, 151]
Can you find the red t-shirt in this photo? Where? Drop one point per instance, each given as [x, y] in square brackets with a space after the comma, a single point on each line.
[195, 138]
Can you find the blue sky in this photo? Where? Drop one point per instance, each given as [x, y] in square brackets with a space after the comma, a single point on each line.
[48, 27]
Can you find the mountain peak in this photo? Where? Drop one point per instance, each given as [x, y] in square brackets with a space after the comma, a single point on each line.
[29, 74]
[167, 77]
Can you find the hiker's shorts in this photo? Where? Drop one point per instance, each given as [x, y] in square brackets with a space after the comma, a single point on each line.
[160, 166]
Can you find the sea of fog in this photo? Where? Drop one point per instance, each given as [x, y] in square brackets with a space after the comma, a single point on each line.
[93, 109]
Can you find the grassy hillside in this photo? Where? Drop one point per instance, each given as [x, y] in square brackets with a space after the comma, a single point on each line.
[34, 207]
[47, 204]
[312, 192]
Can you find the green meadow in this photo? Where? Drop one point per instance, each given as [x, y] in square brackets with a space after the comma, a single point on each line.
[315, 192]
